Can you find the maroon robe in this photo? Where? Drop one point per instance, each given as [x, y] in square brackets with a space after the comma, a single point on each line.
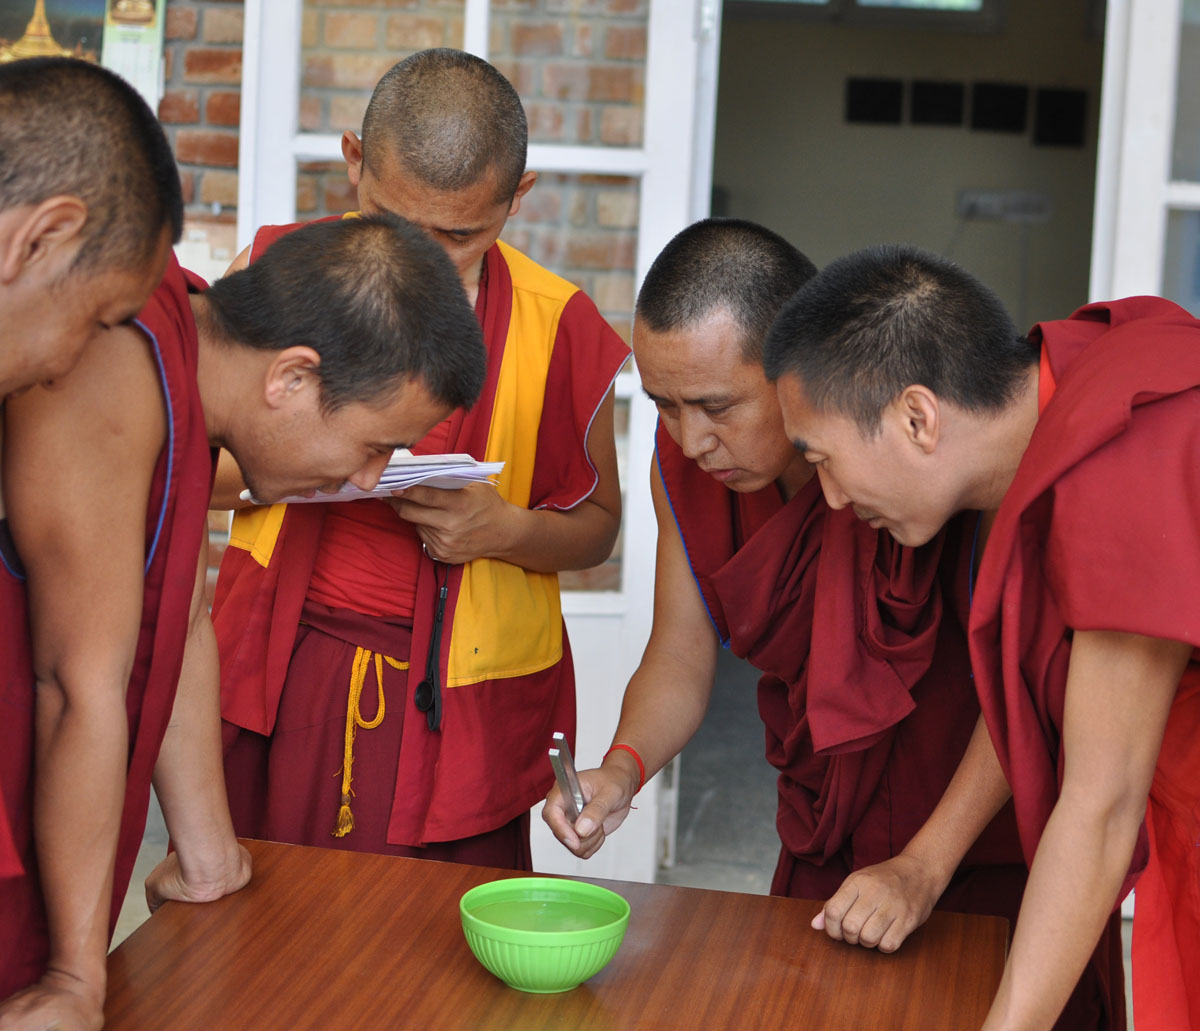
[175, 527]
[1100, 530]
[866, 690]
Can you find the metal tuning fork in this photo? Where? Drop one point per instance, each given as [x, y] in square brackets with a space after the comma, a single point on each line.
[568, 779]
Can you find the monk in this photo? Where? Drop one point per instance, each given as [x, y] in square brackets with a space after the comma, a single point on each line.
[905, 384]
[347, 341]
[865, 688]
[89, 207]
[392, 673]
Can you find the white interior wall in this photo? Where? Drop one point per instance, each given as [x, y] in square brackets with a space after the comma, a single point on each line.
[788, 159]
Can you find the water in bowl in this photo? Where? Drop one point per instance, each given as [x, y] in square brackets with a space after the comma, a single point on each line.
[544, 915]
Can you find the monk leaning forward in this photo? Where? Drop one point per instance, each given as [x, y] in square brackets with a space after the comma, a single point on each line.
[904, 382]
[392, 673]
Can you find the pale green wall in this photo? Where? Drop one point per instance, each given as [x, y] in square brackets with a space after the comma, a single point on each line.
[788, 160]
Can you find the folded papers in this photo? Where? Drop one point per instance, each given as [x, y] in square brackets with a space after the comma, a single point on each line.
[448, 472]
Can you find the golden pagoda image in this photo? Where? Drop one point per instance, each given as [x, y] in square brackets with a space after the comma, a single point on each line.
[132, 12]
[37, 41]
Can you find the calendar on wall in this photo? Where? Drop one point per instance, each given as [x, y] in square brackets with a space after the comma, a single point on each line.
[123, 35]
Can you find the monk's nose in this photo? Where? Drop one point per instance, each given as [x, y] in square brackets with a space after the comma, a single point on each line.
[835, 497]
[696, 439]
[368, 476]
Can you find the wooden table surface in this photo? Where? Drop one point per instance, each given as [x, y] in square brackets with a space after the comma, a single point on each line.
[326, 940]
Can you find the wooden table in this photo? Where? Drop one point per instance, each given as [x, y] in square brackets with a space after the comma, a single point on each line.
[325, 940]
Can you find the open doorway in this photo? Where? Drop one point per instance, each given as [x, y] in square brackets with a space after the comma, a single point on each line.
[841, 132]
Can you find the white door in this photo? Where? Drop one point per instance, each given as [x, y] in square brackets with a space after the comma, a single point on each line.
[1146, 236]
[621, 98]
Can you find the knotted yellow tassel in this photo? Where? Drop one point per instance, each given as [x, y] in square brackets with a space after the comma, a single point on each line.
[354, 720]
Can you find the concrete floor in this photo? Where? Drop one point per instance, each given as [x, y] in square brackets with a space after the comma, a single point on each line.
[726, 821]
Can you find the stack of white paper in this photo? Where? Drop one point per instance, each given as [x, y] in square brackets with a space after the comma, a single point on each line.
[405, 469]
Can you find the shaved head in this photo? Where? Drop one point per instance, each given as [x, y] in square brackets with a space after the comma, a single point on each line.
[449, 119]
[68, 127]
[723, 264]
[377, 299]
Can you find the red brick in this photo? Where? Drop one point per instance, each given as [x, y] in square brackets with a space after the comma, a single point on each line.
[600, 251]
[583, 45]
[346, 112]
[222, 25]
[212, 64]
[306, 193]
[180, 22]
[310, 33]
[545, 121]
[187, 183]
[219, 188]
[347, 31]
[541, 204]
[415, 32]
[565, 81]
[203, 147]
[623, 85]
[179, 107]
[621, 126]
[168, 63]
[345, 71]
[536, 39]
[617, 209]
[625, 43]
[223, 108]
[310, 113]
[584, 118]
[339, 196]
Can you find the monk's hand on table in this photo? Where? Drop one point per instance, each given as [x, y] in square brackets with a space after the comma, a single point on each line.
[198, 880]
[457, 525]
[58, 1002]
[879, 906]
[607, 804]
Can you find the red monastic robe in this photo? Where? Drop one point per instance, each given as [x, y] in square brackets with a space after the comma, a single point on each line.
[504, 662]
[175, 527]
[1100, 530]
[866, 689]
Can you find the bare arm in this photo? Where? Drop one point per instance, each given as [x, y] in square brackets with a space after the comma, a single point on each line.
[208, 862]
[665, 701]
[78, 465]
[879, 906]
[1119, 693]
[461, 525]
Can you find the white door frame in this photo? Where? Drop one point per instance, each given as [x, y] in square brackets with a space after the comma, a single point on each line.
[1134, 189]
[608, 629]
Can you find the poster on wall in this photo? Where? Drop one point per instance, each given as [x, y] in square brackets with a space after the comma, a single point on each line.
[123, 35]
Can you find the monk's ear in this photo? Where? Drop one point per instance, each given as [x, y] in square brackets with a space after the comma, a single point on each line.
[291, 378]
[523, 187]
[352, 151]
[921, 412]
[45, 235]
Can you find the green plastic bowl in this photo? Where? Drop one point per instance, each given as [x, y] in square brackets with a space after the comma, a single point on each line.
[543, 934]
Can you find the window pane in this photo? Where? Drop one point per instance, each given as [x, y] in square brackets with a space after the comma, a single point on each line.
[1185, 152]
[579, 66]
[1181, 260]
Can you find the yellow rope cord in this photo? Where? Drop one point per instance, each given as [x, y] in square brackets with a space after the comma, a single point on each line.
[354, 720]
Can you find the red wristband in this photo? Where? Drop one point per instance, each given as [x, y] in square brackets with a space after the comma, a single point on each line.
[636, 758]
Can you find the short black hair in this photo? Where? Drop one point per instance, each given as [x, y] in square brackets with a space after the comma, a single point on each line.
[376, 298]
[449, 118]
[69, 127]
[723, 264]
[888, 317]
